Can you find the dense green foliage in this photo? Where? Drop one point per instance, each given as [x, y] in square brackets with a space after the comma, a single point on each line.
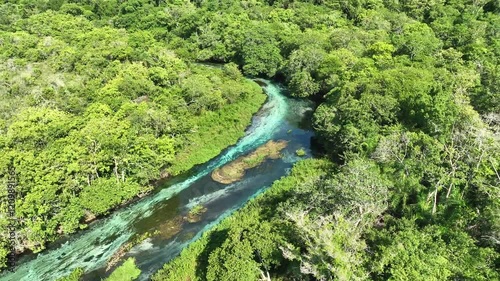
[91, 114]
[409, 122]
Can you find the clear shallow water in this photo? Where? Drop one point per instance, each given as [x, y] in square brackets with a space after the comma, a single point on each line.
[280, 118]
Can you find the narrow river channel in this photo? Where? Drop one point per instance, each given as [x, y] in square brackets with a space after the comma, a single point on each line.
[280, 118]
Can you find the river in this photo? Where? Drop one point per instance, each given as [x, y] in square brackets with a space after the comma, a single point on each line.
[280, 118]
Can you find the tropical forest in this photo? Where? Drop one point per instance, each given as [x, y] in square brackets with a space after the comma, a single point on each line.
[257, 140]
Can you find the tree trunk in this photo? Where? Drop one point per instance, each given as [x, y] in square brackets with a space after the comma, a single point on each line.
[115, 170]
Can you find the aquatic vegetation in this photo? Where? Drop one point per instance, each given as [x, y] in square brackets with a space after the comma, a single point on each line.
[195, 213]
[300, 152]
[235, 170]
[171, 227]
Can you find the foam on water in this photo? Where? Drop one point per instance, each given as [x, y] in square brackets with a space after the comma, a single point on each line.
[145, 245]
[207, 198]
[292, 157]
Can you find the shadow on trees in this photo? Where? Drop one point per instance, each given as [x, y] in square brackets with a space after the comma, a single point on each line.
[215, 240]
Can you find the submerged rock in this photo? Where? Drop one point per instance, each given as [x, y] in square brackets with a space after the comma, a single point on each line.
[171, 227]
